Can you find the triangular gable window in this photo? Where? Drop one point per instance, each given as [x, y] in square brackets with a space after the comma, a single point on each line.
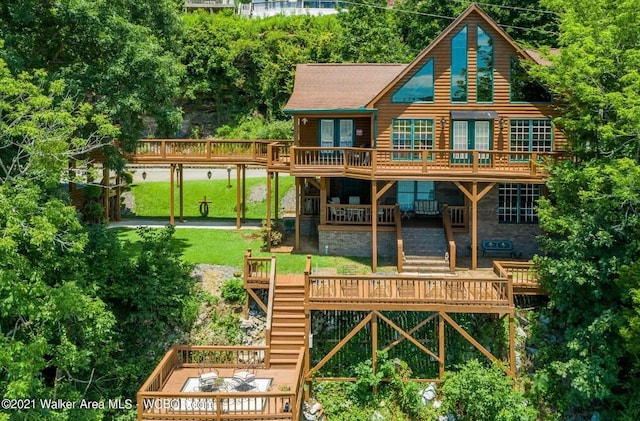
[417, 89]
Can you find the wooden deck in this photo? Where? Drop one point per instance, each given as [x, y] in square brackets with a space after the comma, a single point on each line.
[410, 293]
[364, 163]
[172, 391]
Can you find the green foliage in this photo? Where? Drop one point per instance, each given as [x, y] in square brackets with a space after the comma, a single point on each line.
[118, 56]
[370, 34]
[257, 128]
[233, 290]
[41, 129]
[596, 78]
[151, 293]
[475, 392]
[396, 398]
[56, 329]
[591, 224]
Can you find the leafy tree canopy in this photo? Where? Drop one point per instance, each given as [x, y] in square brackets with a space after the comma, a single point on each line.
[596, 76]
[118, 56]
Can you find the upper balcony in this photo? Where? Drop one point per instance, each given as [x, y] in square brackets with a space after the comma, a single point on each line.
[364, 163]
[210, 5]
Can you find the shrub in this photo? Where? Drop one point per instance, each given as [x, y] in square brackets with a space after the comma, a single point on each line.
[476, 392]
[233, 290]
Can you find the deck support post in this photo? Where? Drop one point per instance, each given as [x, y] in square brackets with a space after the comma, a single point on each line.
[238, 210]
[474, 197]
[106, 192]
[474, 224]
[374, 346]
[299, 189]
[268, 226]
[244, 193]
[323, 200]
[512, 344]
[276, 197]
[172, 220]
[374, 226]
[181, 191]
[441, 351]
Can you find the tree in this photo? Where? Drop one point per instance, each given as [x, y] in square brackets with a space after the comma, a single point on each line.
[420, 21]
[118, 56]
[40, 128]
[591, 224]
[370, 34]
[475, 392]
[595, 78]
[591, 221]
[55, 331]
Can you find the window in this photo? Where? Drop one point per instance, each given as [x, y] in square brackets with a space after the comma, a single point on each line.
[411, 134]
[484, 67]
[417, 89]
[336, 133]
[410, 191]
[459, 66]
[517, 203]
[525, 89]
[530, 136]
[470, 135]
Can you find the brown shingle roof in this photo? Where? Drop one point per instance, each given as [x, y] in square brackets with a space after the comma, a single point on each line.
[339, 86]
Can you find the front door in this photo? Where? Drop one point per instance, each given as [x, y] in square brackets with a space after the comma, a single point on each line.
[470, 135]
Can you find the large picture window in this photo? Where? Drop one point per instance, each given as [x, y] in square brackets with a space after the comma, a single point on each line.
[524, 88]
[459, 66]
[417, 89]
[410, 191]
[484, 67]
[517, 203]
[530, 136]
[408, 134]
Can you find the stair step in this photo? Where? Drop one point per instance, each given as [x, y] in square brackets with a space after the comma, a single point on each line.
[277, 325]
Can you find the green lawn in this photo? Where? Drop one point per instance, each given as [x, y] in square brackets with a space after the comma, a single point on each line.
[227, 247]
[152, 199]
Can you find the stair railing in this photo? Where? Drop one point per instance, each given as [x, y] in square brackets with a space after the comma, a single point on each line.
[272, 290]
[451, 242]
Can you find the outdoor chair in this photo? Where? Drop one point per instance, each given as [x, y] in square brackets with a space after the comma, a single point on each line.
[244, 378]
[208, 378]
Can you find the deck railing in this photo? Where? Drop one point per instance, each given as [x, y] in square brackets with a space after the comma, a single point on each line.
[523, 274]
[280, 155]
[339, 214]
[358, 161]
[204, 151]
[154, 404]
[208, 3]
[458, 217]
[257, 270]
[406, 290]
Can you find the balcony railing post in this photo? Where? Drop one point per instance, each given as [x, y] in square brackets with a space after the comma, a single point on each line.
[476, 161]
[533, 163]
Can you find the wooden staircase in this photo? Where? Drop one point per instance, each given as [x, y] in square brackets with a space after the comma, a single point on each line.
[288, 321]
[424, 251]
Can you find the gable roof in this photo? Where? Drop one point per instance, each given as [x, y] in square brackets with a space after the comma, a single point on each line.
[323, 87]
[473, 8]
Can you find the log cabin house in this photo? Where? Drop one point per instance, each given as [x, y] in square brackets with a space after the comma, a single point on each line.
[383, 155]
[458, 135]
